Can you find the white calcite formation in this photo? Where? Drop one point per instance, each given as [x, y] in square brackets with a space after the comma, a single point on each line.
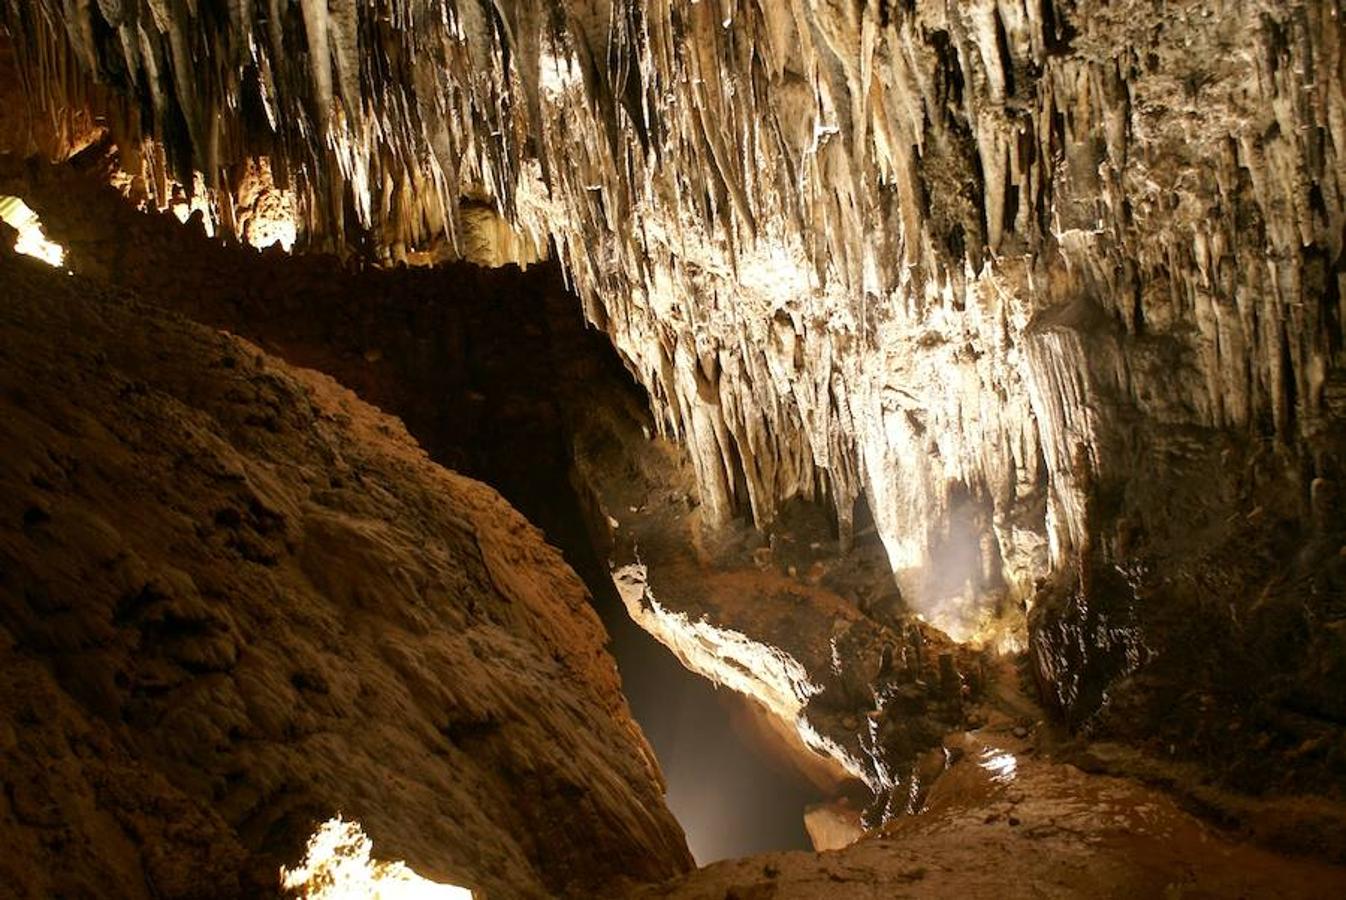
[962, 260]
[769, 674]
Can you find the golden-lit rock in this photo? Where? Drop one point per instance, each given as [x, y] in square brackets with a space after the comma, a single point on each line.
[924, 255]
[236, 601]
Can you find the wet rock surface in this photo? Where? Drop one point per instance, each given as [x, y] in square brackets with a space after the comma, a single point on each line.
[1003, 822]
[235, 600]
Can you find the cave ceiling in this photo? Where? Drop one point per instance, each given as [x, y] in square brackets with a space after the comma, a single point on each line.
[941, 256]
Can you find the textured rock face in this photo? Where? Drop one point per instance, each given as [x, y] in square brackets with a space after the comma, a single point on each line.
[800, 628]
[861, 696]
[1049, 291]
[968, 261]
[235, 601]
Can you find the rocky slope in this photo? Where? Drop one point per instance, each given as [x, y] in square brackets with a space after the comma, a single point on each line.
[235, 600]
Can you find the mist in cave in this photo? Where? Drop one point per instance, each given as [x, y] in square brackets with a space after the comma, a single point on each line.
[732, 791]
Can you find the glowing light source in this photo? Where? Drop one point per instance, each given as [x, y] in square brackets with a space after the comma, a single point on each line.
[269, 214]
[262, 233]
[32, 241]
[558, 74]
[1002, 766]
[337, 866]
[183, 207]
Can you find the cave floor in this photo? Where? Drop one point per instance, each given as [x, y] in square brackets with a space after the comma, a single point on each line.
[1005, 821]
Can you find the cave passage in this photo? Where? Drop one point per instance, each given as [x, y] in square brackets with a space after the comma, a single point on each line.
[568, 449]
[732, 792]
[731, 785]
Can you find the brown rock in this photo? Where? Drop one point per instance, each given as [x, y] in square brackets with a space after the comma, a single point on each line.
[247, 601]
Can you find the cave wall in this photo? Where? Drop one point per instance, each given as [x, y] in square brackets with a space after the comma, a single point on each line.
[1055, 287]
[474, 361]
[235, 600]
[916, 251]
[496, 376]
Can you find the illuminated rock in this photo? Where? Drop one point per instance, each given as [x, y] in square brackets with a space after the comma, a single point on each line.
[237, 601]
[923, 254]
[338, 865]
[1054, 288]
[833, 826]
[30, 241]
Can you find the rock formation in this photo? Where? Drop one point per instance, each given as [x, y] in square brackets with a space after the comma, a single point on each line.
[1039, 302]
[929, 253]
[237, 601]
[431, 347]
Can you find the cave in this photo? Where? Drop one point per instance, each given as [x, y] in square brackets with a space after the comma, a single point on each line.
[684, 449]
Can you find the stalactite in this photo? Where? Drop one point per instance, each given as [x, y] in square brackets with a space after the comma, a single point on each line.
[914, 187]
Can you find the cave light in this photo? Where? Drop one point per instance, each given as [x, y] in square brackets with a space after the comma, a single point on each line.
[183, 206]
[271, 214]
[558, 73]
[264, 232]
[1001, 765]
[266, 214]
[337, 866]
[32, 241]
